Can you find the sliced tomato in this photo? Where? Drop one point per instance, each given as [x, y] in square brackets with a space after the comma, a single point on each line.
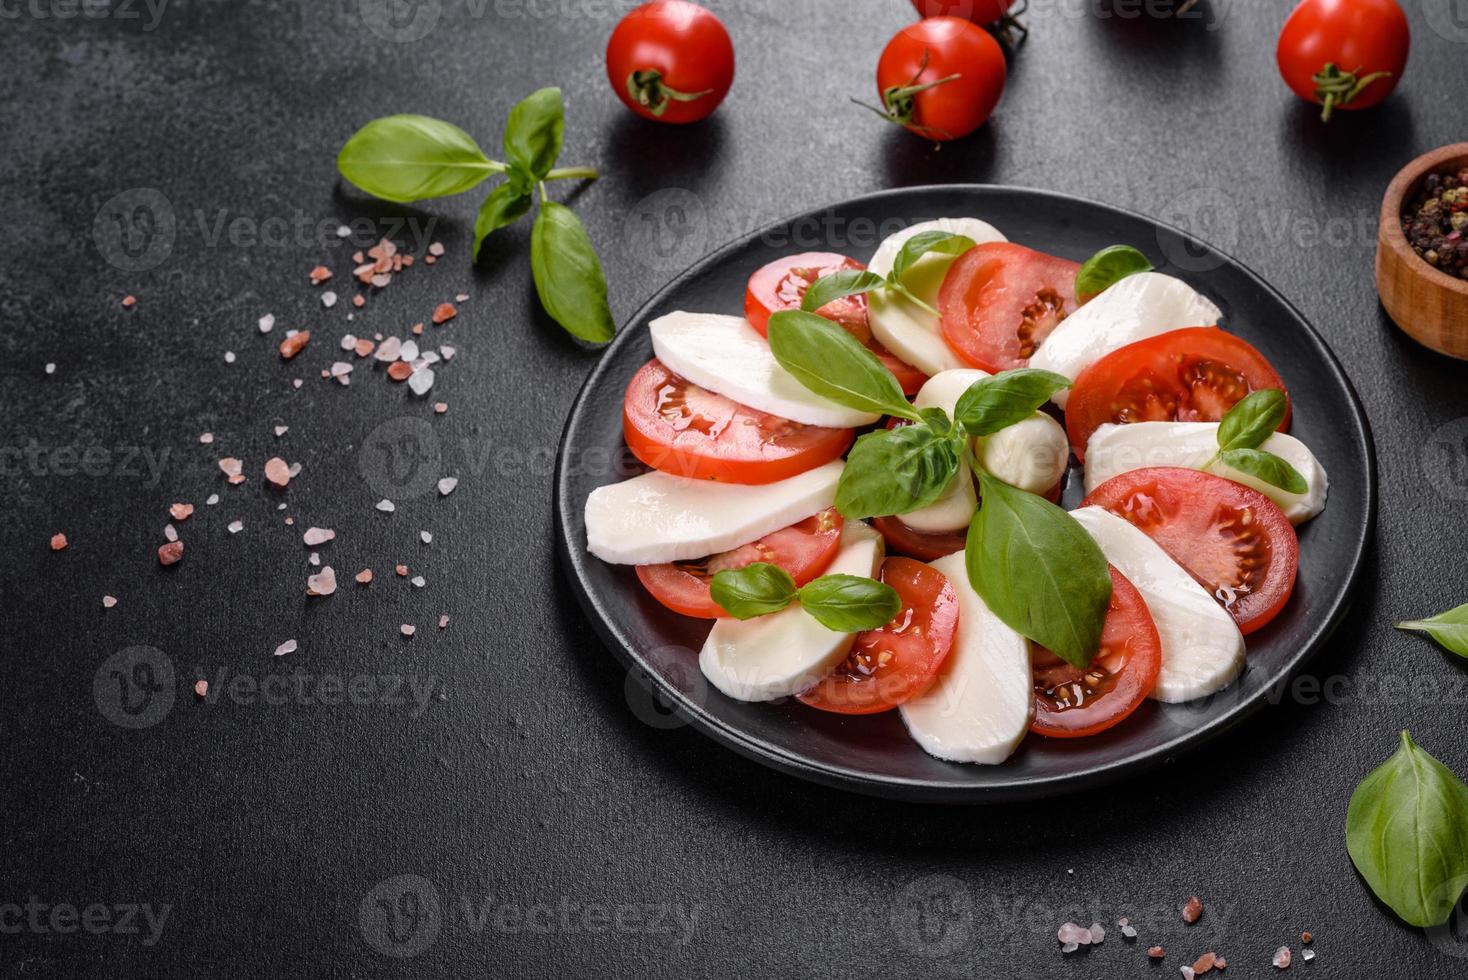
[1071, 702]
[804, 550]
[1000, 301]
[1232, 539]
[922, 545]
[898, 662]
[677, 427]
[1191, 375]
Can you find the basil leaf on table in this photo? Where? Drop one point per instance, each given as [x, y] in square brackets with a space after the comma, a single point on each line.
[924, 242]
[408, 158]
[1407, 834]
[534, 132]
[997, 402]
[850, 603]
[757, 589]
[1108, 267]
[505, 205]
[1038, 570]
[1252, 420]
[1449, 629]
[1265, 466]
[832, 363]
[568, 275]
[895, 471]
[839, 285]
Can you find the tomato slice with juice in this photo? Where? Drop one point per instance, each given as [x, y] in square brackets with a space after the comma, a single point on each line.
[1000, 301]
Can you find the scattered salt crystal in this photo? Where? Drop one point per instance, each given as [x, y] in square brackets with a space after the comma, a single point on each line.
[444, 312]
[229, 357]
[294, 471]
[289, 646]
[349, 342]
[169, 532]
[235, 527]
[277, 472]
[1069, 947]
[1205, 963]
[328, 299]
[407, 629]
[231, 466]
[446, 485]
[448, 352]
[1188, 973]
[440, 407]
[425, 537]
[267, 323]
[343, 231]
[170, 553]
[201, 688]
[317, 535]
[281, 430]
[296, 383]
[386, 506]
[109, 601]
[180, 512]
[1156, 952]
[206, 437]
[322, 583]
[1282, 958]
[435, 249]
[419, 581]
[314, 558]
[1098, 935]
[421, 381]
[1307, 955]
[408, 350]
[212, 499]
[339, 368]
[1129, 931]
[364, 576]
[1072, 933]
[443, 621]
[389, 349]
[1192, 910]
[402, 570]
[50, 368]
[58, 541]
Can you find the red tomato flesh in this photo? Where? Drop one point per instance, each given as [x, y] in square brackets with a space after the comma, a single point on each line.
[1362, 37]
[671, 61]
[999, 301]
[962, 67]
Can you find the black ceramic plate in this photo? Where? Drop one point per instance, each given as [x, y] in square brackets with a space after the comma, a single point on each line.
[874, 754]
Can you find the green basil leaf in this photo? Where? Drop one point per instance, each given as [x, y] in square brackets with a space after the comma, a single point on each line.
[895, 471]
[850, 603]
[505, 205]
[1107, 267]
[1268, 467]
[936, 419]
[410, 158]
[1038, 570]
[1253, 419]
[1407, 833]
[833, 364]
[940, 242]
[839, 285]
[568, 274]
[1449, 629]
[535, 131]
[757, 589]
[997, 402]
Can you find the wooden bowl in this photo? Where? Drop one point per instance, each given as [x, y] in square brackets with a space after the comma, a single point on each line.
[1430, 306]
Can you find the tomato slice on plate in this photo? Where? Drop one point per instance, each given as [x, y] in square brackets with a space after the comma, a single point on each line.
[677, 427]
[898, 662]
[1191, 375]
[804, 550]
[1000, 301]
[1071, 702]
[1232, 539]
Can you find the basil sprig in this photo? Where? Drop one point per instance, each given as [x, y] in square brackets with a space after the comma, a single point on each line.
[1407, 834]
[833, 364]
[896, 471]
[408, 158]
[850, 282]
[1108, 267]
[1449, 629]
[844, 603]
[1245, 428]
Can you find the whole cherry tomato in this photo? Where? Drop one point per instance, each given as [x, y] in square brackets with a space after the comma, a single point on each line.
[985, 13]
[671, 61]
[1344, 54]
[941, 77]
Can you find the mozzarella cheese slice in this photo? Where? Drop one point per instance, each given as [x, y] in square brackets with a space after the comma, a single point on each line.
[1202, 648]
[1117, 449]
[728, 357]
[1135, 308]
[983, 699]
[787, 652]
[903, 327]
[657, 518]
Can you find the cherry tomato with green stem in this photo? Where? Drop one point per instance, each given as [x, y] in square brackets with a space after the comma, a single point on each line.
[940, 78]
[1344, 54]
[671, 61]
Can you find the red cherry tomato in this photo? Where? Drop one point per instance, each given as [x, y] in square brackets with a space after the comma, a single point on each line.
[978, 11]
[898, 662]
[1071, 702]
[999, 301]
[671, 61]
[804, 550]
[1344, 54]
[1191, 375]
[677, 427]
[941, 77]
[1232, 539]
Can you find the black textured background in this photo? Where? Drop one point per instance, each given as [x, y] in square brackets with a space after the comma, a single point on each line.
[530, 783]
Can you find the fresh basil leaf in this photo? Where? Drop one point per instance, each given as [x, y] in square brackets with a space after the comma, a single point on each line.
[997, 402]
[850, 603]
[839, 285]
[568, 274]
[924, 242]
[1108, 267]
[1038, 570]
[1252, 420]
[505, 205]
[757, 589]
[410, 158]
[895, 471]
[1407, 833]
[535, 131]
[1268, 467]
[833, 364]
[1449, 629]
[936, 419]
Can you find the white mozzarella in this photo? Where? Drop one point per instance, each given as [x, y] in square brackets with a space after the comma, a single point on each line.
[1139, 306]
[1117, 449]
[982, 701]
[786, 652]
[1202, 648]
[657, 518]
[727, 356]
[903, 327]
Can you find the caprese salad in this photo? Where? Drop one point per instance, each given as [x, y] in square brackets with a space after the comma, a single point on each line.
[857, 482]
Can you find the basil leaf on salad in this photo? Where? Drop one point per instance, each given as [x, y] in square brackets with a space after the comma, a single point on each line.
[832, 363]
[1265, 466]
[1108, 267]
[408, 158]
[1038, 570]
[850, 603]
[505, 205]
[757, 589]
[997, 402]
[895, 471]
[1449, 629]
[1407, 834]
[568, 275]
[924, 242]
[839, 285]
[1252, 420]
[534, 132]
